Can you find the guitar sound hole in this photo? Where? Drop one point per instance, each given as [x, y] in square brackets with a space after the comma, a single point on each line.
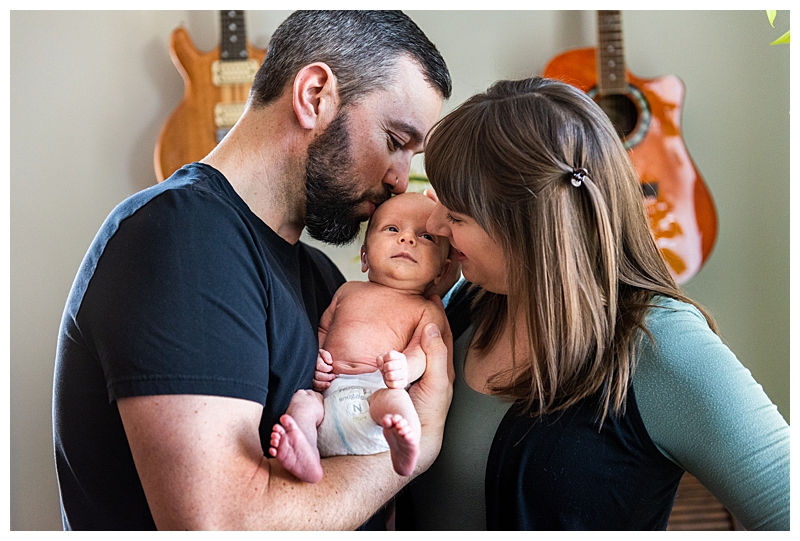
[622, 112]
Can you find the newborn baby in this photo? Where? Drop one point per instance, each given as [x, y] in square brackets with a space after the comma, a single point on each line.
[370, 349]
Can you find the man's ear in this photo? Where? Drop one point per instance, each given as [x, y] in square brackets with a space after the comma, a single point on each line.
[442, 272]
[364, 262]
[315, 96]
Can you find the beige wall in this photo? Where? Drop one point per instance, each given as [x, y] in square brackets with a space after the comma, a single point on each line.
[90, 90]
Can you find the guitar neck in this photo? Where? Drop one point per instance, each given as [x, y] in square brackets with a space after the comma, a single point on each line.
[233, 66]
[611, 72]
[233, 44]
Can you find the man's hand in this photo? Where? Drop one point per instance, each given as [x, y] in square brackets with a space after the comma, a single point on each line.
[433, 392]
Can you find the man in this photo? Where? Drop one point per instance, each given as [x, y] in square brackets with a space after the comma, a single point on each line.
[193, 318]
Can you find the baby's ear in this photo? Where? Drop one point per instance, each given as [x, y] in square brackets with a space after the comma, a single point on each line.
[364, 262]
[442, 272]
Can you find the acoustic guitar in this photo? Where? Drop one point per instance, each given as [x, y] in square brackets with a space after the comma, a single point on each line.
[647, 115]
[216, 85]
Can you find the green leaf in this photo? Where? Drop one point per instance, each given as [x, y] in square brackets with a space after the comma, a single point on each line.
[783, 39]
[771, 16]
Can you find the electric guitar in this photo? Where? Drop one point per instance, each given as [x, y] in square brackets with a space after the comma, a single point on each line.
[216, 85]
[647, 115]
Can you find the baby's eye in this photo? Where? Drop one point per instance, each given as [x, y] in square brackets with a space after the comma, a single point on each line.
[427, 236]
[392, 228]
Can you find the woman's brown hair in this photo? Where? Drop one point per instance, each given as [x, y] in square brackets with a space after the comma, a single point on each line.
[581, 263]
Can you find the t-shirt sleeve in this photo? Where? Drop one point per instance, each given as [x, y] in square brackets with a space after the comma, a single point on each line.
[177, 302]
[705, 412]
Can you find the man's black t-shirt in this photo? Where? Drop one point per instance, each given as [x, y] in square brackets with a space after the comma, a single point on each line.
[183, 291]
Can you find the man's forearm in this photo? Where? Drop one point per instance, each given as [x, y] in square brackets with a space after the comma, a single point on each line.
[352, 490]
[202, 468]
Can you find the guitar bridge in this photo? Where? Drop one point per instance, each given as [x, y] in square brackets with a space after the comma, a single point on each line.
[234, 72]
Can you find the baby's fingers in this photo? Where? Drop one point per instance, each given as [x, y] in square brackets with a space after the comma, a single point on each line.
[394, 367]
[324, 361]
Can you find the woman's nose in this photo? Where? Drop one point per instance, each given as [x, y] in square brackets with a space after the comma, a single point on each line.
[436, 224]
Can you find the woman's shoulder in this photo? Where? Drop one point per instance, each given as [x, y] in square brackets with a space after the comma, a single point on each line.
[671, 322]
[679, 340]
[666, 312]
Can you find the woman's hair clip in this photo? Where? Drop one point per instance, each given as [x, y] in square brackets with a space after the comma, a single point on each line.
[578, 175]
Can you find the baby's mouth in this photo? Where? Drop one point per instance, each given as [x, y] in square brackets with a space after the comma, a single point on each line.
[404, 255]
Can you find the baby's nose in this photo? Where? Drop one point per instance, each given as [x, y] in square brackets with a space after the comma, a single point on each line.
[407, 238]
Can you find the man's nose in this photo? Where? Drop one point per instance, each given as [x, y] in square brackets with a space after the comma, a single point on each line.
[397, 177]
[397, 182]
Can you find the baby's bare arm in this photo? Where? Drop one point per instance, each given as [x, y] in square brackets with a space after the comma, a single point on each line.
[327, 319]
[413, 352]
[323, 373]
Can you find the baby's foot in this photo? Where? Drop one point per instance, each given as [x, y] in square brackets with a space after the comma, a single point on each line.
[293, 450]
[403, 442]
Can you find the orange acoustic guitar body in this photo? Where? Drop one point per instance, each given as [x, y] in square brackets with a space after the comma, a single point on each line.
[682, 216]
[192, 131]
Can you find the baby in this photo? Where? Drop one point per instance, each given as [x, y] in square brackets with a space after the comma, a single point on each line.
[370, 340]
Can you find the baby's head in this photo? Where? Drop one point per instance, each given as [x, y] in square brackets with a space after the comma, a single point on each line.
[398, 251]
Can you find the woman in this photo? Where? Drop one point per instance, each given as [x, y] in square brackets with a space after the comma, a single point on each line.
[586, 382]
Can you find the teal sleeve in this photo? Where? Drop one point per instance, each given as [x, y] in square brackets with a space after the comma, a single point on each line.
[706, 413]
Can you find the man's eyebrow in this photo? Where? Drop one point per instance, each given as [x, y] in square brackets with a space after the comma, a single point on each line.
[409, 130]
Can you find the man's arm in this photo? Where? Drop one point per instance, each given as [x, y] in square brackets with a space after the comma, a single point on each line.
[202, 467]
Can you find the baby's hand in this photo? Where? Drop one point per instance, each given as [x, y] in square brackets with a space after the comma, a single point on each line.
[323, 373]
[394, 367]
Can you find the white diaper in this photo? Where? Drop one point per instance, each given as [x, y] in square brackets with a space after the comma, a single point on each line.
[348, 428]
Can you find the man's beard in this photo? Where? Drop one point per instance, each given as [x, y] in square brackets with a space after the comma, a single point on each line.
[331, 202]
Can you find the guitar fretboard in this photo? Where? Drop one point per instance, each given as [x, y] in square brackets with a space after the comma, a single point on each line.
[233, 45]
[611, 75]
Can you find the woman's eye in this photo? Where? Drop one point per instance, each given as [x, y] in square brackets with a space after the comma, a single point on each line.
[449, 217]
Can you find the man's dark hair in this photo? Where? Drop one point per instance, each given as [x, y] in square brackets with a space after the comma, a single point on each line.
[361, 48]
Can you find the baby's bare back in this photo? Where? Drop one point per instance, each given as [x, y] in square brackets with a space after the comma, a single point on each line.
[370, 320]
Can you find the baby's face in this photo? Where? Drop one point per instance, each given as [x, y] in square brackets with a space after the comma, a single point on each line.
[399, 251]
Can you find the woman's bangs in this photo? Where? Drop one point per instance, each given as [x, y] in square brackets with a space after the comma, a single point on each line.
[452, 161]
